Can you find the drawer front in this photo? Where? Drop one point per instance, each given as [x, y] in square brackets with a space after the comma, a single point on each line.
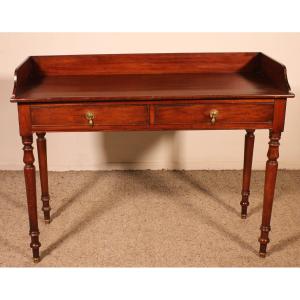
[89, 116]
[213, 114]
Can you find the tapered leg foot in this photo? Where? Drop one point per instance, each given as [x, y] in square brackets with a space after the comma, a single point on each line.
[42, 154]
[244, 204]
[270, 181]
[244, 215]
[264, 240]
[36, 260]
[46, 209]
[262, 254]
[35, 247]
[248, 157]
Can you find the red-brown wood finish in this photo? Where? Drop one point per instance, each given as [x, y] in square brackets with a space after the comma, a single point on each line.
[74, 115]
[200, 113]
[147, 92]
[248, 157]
[271, 174]
[150, 76]
[270, 180]
[149, 87]
[42, 155]
[29, 174]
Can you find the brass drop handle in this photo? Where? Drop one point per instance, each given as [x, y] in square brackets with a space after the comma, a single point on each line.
[90, 117]
[213, 116]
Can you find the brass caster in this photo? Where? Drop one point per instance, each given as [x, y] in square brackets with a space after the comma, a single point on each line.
[244, 216]
[262, 254]
[47, 221]
[36, 260]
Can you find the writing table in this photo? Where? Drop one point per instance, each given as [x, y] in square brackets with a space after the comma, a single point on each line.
[126, 92]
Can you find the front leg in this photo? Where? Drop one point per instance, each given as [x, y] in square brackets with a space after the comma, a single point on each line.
[270, 180]
[29, 174]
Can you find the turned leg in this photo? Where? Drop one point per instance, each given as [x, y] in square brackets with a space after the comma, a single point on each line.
[248, 156]
[42, 154]
[270, 180]
[29, 174]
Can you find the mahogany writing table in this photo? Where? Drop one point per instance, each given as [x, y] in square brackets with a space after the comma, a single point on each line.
[125, 92]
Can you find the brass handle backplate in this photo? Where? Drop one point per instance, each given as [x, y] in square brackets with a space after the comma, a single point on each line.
[90, 117]
[213, 116]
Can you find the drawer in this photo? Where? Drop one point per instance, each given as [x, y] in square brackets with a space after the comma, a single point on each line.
[88, 115]
[226, 113]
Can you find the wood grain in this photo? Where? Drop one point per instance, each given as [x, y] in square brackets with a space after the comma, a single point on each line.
[30, 184]
[227, 113]
[150, 77]
[145, 63]
[75, 115]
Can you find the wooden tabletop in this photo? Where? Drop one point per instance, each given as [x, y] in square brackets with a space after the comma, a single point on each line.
[152, 86]
[150, 76]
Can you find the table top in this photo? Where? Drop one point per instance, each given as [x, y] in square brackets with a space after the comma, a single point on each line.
[152, 86]
[150, 77]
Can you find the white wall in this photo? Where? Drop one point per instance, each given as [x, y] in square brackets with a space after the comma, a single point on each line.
[148, 150]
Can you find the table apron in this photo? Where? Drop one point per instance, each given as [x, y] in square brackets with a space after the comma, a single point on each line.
[137, 116]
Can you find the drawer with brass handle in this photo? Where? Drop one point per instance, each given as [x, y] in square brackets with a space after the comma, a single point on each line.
[88, 117]
[213, 114]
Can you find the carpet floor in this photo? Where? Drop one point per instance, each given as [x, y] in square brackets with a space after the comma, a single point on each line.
[150, 219]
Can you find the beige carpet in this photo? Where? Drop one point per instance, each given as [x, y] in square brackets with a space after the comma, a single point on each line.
[150, 219]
